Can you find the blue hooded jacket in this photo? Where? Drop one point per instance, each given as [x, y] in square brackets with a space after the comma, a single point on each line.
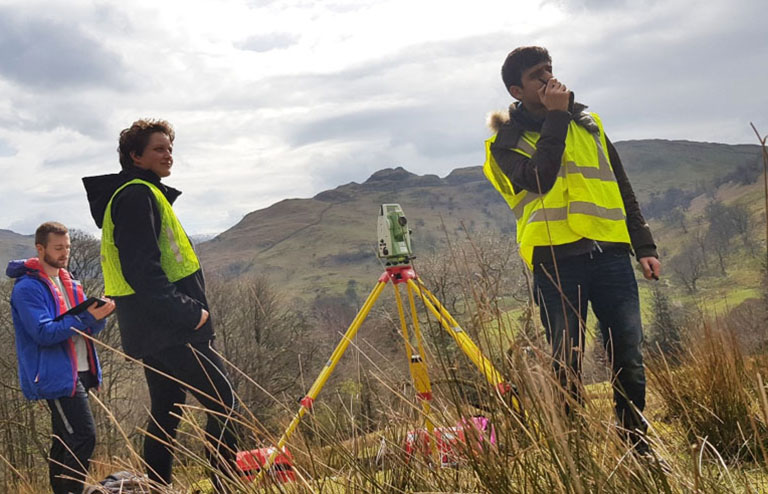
[45, 349]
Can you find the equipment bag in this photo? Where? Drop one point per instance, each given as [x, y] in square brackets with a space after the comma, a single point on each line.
[120, 483]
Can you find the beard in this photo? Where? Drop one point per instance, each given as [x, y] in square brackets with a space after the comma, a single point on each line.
[60, 263]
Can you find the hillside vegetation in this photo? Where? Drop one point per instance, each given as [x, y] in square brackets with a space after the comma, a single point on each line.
[314, 246]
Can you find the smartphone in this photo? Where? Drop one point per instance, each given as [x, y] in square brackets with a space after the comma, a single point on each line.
[82, 307]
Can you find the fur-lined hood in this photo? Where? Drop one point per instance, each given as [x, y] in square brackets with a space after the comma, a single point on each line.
[500, 118]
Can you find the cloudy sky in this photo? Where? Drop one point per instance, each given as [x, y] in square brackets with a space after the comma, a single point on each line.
[273, 99]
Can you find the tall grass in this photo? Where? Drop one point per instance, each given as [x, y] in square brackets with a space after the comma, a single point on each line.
[707, 431]
[707, 414]
[714, 395]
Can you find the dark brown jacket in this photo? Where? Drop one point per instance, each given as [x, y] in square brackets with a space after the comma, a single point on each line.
[546, 162]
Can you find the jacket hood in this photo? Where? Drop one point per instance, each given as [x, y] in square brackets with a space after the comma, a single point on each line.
[20, 267]
[518, 116]
[31, 266]
[99, 189]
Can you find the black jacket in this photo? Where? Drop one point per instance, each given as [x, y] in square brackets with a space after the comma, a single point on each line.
[160, 314]
[546, 161]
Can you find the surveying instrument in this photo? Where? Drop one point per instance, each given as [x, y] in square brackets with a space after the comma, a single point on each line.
[394, 250]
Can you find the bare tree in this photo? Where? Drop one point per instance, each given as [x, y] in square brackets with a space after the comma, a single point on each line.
[725, 223]
[675, 218]
[688, 265]
[743, 224]
[700, 238]
[266, 339]
[85, 261]
[24, 427]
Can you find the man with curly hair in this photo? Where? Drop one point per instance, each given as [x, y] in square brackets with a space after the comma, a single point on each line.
[154, 275]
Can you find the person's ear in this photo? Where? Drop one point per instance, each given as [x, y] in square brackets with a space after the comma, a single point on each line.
[40, 250]
[516, 92]
[135, 157]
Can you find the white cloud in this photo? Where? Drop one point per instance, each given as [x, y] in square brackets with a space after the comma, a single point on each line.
[284, 99]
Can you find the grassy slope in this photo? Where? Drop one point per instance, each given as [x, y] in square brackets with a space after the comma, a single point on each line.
[314, 246]
[15, 246]
[680, 164]
[317, 245]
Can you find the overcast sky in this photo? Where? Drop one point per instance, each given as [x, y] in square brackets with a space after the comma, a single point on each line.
[274, 99]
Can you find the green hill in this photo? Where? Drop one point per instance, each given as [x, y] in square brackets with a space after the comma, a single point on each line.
[15, 246]
[315, 246]
[318, 244]
[682, 164]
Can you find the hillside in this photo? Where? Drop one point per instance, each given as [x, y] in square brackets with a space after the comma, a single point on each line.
[15, 246]
[682, 164]
[313, 246]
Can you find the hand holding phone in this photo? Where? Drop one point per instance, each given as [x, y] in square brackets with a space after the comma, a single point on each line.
[101, 308]
[81, 307]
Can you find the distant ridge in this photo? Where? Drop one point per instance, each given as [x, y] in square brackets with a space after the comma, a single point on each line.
[317, 245]
[15, 246]
[313, 246]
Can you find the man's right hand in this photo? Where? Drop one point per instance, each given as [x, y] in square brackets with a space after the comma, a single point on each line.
[554, 95]
[203, 319]
[100, 312]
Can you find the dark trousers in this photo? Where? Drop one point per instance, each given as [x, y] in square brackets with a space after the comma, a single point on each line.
[606, 280]
[202, 373]
[74, 437]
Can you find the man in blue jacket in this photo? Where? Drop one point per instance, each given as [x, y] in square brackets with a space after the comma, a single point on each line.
[56, 363]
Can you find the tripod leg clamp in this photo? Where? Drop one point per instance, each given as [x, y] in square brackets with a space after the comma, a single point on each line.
[307, 402]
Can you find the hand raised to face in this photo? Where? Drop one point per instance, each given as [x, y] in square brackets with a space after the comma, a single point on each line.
[554, 95]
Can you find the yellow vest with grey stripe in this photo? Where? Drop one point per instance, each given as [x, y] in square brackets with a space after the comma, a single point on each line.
[177, 257]
[584, 202]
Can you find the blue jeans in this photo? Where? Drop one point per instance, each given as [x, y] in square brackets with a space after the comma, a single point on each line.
[606, 280]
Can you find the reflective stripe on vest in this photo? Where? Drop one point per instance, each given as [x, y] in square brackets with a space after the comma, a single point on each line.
[584, 201]
[177, 257]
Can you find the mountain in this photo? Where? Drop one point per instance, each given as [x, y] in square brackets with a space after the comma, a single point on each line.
[15, 246]
[683, 164]
[316, 246]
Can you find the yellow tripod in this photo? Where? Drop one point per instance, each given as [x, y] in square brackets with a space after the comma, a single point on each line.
[401, 274]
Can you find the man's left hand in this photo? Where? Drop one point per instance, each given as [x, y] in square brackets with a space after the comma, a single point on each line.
[651, 267]
[100, 312]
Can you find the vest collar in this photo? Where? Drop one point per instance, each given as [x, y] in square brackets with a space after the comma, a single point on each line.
[135, 172]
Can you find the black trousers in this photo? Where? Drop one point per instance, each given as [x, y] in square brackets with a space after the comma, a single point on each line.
[202, 373]
[74, 437]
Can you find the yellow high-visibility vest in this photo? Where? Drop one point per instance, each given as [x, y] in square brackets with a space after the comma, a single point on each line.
[584, 202]
[177, 257]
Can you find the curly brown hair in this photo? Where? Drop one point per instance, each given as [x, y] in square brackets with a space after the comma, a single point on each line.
[134, 139]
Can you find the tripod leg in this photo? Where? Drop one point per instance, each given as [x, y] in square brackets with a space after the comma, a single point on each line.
[306, 402]
[416, 363]
[464, 342]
